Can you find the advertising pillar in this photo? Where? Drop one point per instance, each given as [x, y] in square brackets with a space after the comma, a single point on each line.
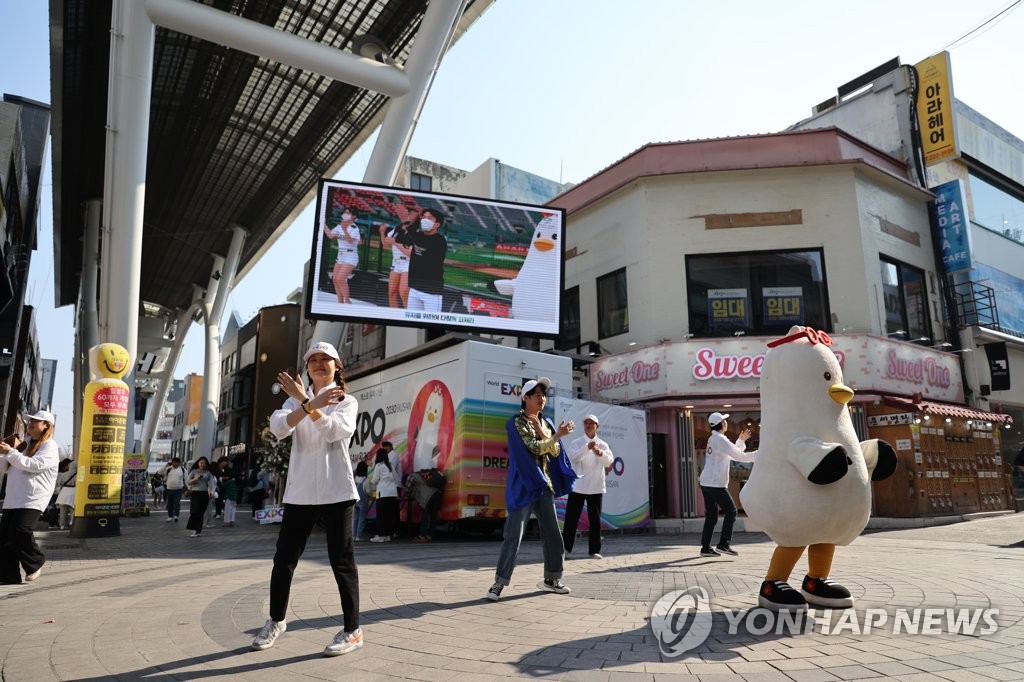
[101, 453]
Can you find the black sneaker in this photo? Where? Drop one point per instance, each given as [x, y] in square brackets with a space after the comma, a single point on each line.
[825, 592]
[777, 595]
[726, 549]
[494, 594]
[556, 586]
[707, 551]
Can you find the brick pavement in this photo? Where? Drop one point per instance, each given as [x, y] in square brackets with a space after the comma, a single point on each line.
[155, 604]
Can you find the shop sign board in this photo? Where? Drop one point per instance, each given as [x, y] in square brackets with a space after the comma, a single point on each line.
[733, 366]
[891, 419]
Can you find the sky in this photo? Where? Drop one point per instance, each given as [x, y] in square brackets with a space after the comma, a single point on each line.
[564, 88]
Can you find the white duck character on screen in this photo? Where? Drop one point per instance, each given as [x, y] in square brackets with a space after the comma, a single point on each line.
[428, 433]
[535, 287]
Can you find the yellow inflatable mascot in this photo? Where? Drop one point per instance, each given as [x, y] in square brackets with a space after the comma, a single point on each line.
[101, 450]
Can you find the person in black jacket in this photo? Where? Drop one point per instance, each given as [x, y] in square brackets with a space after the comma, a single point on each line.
[426, 261]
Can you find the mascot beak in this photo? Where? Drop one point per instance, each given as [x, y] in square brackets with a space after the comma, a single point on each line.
[544, 244]
[840, 393]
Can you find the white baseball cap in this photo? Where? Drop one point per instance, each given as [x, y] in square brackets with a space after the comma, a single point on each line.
[593, 418]
[321, 347]
[42, 416]
[717, 418]
[532, 384]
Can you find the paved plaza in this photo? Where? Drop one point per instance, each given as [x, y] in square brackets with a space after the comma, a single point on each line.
[156, 604]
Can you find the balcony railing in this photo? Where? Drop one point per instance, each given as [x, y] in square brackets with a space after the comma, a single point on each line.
[976, 307]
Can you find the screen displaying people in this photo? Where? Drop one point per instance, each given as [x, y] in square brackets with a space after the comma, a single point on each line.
[396, 256]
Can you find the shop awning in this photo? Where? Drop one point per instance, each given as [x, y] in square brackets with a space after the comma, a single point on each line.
[946, 410]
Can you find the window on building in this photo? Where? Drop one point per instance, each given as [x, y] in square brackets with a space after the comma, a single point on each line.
[906, 302]
[763, 293]
[612, 304]
[419, 181]
[569, 339]
[996, 208]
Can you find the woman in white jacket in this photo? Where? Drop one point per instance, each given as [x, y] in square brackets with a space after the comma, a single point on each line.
[30, 481]
[319, 487]
[383, 479]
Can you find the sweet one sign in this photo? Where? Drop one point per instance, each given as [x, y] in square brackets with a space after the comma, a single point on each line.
[716, 367]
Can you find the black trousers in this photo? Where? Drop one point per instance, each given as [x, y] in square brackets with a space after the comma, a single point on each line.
[198, 501]
[713, 499]
[298, 523]
[387, 516]
[573, 508]
[18, 548]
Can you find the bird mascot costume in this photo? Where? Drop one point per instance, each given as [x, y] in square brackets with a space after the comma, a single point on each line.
[811, 485]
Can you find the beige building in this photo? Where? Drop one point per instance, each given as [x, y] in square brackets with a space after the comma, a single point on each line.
[684, 259]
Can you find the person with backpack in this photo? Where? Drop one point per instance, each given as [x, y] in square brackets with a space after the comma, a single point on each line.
[427, 488]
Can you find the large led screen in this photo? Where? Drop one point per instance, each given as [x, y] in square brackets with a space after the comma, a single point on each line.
[401, 257]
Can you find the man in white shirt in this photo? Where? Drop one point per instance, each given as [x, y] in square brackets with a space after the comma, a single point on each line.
[714, 483]
[590, 457]
[174, 487]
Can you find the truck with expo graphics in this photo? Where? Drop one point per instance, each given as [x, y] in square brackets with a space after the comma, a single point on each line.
[447, 408]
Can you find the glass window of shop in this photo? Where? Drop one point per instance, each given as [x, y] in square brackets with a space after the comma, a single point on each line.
[612, 304]
[996, 208]
[756, 293]
[906, 301]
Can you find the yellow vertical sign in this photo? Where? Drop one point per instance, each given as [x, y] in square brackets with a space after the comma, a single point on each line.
[935, 116]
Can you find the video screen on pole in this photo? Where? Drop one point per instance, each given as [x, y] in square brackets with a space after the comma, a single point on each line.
[401, 257]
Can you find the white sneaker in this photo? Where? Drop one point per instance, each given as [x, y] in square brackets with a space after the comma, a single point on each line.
[380, 538]
[595, 555]
[271, 631]
[169, 519]
[344, 642]
[32, 576]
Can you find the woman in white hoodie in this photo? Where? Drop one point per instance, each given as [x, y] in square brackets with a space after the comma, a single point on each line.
[30, 481]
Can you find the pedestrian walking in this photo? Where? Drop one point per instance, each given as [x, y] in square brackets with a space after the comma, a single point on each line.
[174, 487]
[590, 457]
[319, 487]
[714, 483]
[383, 479]
[538, 473]
[231, 485]
[30, 481]
[201, 488]
[363, 503]
[66, 495]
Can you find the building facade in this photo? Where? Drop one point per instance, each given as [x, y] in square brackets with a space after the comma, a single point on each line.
[684, 259]
[266, 346]
[24, 130]
[976, 169]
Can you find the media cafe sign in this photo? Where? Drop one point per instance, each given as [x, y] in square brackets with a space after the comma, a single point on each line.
[734, 366]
